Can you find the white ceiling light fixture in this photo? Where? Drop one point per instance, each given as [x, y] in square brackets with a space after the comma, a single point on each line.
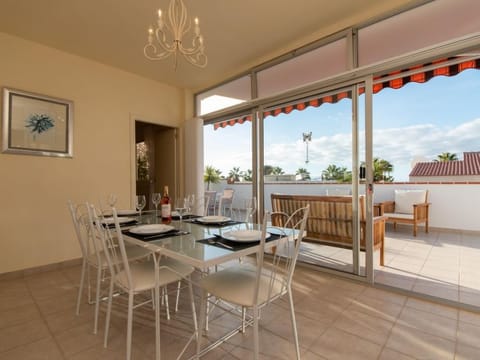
[168, 37]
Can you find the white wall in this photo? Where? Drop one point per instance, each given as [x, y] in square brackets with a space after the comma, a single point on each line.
[453, 206]
[35, 227]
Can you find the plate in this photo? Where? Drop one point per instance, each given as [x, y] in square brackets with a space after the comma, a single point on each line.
[151, 229]
[123, 220]
[244, 235]
[213, 219]
[127, 212]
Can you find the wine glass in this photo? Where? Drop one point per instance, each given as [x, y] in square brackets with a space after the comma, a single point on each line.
[156, 197]
[181, 207]
[250, 209]
[112, 200]
[140, 203]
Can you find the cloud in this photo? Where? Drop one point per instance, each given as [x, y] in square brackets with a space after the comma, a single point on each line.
[400, 146]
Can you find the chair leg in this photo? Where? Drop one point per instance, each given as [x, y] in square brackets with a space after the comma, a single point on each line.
[202, 317]
[82, 282]
[244, 314]
[109, 310]
[256, 341]
[129, 325]
[294, 323]
[157, 322]
[414, 229]
[194, 312]
[165, 296]
[178, 295]
[97, 300]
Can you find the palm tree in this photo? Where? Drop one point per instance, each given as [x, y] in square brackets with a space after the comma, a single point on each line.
[304, 173]
[381, 170]
[334, 172]
[277, 170]
[247, 175]
[235, 174]
[272, 170]
[446, 156]
[211, 175]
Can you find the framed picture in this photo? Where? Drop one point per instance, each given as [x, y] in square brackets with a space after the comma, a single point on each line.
[36, 124]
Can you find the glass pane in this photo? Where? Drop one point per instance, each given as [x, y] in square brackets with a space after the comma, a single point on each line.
[224, 96]
[418, 28]
[228, 153]
[309, 152]
[330, 59]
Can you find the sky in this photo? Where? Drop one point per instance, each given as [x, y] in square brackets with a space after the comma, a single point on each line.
[414, 123]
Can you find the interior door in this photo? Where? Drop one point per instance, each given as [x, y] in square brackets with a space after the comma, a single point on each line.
[156, 156]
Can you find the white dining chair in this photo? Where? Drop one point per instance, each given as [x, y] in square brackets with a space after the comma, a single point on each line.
[133, 278]
[93, 257]
[254, 286]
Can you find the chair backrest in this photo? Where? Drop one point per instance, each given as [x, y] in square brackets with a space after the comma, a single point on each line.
[405, 199]
[112, 242]
[280, 271]
[212, 196]
[83, 231]
[228, 194]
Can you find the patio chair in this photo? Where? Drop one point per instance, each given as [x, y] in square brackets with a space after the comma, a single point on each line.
[226, 202]
[254, 286]
[212, 198]
[409, 207]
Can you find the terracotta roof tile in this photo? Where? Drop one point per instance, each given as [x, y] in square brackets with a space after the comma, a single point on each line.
[470, 165]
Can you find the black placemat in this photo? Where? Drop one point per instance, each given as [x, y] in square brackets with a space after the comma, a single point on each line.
[235, 246]
[185, 217]
[150, 237]
[129, 223]
[216, 225]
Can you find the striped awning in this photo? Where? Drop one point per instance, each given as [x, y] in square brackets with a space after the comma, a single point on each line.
[393, 80]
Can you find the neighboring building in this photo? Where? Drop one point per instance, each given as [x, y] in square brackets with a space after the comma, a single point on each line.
[467, 169]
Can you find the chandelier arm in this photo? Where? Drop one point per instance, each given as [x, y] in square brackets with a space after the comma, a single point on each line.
[153, 54]
[162, 41]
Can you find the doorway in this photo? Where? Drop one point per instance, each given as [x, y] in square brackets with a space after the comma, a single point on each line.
[156, 159]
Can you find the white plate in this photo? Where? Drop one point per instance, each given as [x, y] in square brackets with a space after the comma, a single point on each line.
[244, 235]
[123, 220]
[213, 219]
[127, 212]
[151, 229]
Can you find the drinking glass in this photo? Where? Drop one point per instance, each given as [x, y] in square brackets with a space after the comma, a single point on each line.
[250, 208]
[181, 207]
[112, 200]
[140, 203]
[156, 197]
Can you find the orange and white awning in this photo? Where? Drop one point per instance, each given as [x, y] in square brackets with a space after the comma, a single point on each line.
[393, 80]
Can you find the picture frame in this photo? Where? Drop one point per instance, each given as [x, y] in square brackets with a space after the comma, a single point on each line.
[35, 124]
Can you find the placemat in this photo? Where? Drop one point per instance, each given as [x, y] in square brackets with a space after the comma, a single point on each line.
[150, 237]
[235, 246]
[216, 225]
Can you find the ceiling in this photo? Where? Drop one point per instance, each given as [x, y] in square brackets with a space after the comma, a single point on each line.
[239, 34]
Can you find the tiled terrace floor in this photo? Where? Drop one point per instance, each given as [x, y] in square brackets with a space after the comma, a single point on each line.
[444, 264]
[337, 319]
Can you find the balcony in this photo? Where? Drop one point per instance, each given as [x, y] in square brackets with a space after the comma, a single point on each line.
[442, 263]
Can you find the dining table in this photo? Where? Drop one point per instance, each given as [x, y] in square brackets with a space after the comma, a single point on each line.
[200, 242]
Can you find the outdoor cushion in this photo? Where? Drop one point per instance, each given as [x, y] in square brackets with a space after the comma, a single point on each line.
[399, 215]
[404, 200]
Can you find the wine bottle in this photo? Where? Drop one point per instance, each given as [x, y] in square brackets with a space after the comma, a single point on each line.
[166, 206]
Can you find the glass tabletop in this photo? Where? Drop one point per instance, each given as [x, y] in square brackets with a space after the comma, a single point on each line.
[186, 246]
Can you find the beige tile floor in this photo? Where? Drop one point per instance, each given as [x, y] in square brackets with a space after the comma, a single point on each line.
[337, 319]
[443, 264]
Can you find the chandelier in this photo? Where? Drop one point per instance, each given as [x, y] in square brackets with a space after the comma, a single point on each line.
[168, 37]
